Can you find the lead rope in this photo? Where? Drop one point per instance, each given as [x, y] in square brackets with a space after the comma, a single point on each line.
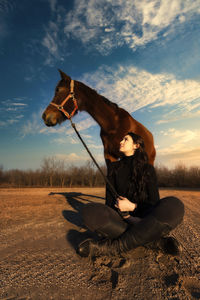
[92, 157]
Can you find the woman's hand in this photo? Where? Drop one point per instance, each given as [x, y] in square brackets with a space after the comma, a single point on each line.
[123, 204]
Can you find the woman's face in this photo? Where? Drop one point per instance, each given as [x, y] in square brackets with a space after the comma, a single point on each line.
[127, 146]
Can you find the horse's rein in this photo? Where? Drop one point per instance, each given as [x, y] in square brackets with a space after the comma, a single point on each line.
[71, 95]
[60, 107]
[113, 191]
[107, 181]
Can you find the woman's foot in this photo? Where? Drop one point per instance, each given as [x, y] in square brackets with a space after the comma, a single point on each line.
[92, 248]
[84, 248]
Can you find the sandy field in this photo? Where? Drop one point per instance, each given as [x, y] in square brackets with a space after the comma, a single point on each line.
[41, 228]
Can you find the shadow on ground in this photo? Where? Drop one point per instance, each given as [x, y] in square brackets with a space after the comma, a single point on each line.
[77, 201]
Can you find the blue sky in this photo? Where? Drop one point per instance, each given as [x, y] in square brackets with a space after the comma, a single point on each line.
[143, 55]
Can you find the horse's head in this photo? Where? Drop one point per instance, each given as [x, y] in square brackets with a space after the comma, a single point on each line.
[63, 105]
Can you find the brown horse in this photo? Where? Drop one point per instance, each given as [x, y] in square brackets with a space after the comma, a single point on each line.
[115, 122]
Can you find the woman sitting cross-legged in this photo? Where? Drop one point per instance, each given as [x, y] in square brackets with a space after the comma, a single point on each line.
[138, 217]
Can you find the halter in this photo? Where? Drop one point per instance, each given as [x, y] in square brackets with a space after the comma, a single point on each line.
[71, 95]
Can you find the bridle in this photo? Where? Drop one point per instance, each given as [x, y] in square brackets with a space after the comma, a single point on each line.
[71, 95]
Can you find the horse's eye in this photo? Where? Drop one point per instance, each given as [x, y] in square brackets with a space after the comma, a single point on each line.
[57, 90]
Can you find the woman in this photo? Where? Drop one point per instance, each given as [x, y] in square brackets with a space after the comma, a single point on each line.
[137, 216]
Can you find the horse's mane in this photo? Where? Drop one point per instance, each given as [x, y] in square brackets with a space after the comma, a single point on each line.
[110, 103]
[89, 91]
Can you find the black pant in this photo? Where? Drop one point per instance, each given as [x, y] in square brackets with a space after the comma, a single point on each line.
[164, 217]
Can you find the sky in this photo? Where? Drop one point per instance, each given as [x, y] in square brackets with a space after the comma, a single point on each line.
[141, 54]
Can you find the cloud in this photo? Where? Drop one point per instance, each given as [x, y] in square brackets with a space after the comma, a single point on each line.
[178, 114]
[183, 137]
[10, 104]
[15, 106]
[51, 42]
[93, 146]
[82, 125]
[35, 125]
[70, 135]
[3, 123]
[52, 4]
[19, 98]
[87, 136]
[7, 6]
[59, 141]
[133, 89]
[188, 158]
[106, 25]
[182, 146]
[74, 159]
[66, 133]
[11, 121]
[65, 140]
[32, 126]
[18, 104]
[54, 40]
[12, 111]
[78, 159]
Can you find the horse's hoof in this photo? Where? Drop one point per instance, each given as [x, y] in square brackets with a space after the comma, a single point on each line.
[84, 248]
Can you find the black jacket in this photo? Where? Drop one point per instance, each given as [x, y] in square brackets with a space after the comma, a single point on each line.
[119, 174]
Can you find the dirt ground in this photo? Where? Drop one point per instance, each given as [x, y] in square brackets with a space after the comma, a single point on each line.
[41, 228]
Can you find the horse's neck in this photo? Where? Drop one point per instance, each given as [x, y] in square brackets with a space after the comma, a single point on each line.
[101, 111]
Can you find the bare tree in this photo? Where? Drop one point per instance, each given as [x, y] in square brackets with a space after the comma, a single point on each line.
[73, 174]
[49, 167]
[61, 172]
[179, 175]
[193, 177]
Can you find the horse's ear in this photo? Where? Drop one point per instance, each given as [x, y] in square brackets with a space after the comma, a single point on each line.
[64, 76]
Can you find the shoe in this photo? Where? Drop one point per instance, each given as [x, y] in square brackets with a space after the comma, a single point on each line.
[169, 245]
[93, 248]
[84, 248]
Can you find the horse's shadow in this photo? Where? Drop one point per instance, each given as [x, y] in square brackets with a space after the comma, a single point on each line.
[77, 202]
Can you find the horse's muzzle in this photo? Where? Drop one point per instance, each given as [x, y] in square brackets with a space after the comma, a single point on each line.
[49, 119]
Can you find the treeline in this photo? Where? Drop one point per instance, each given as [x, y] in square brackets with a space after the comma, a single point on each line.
[180, 176]
[53, 173]
[56, 173]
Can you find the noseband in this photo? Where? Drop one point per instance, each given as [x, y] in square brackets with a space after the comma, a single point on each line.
[71, 95]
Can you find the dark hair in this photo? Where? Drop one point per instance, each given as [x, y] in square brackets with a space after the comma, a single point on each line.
[139, 174]
[140, 153]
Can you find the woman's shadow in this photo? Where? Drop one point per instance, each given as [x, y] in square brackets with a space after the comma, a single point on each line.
[77, 201]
